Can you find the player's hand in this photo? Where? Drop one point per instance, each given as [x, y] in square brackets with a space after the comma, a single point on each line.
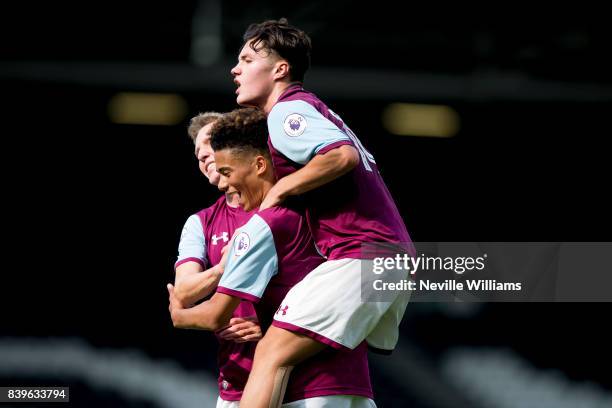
[175, 306]
[242, 330]
[272, 199]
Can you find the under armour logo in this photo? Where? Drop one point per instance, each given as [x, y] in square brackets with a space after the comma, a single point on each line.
[281, 309]
[223, 236]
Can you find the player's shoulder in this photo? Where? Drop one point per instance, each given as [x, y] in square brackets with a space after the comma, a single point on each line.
[301, 102]
[192, 229]
[281, 219]
[193, 220]
[296, 106]
[256, 230]
[293, 118]
[278, 212]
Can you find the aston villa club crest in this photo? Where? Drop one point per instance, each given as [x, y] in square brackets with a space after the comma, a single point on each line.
[295, 124]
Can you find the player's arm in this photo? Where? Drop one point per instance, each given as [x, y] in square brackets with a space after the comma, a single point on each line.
[303, 135]
[192, 283]
[192, 280]
[251, 263]
[213, 314]
[322, 169]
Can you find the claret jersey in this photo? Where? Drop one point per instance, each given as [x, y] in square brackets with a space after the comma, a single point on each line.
[270, 254]
[204, 236]
[346, 212]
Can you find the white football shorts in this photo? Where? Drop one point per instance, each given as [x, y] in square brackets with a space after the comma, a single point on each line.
[327, 306]
[330, 401]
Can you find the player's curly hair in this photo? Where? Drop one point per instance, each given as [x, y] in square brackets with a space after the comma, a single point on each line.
[289, 42]
[244, 129]
[199, 121]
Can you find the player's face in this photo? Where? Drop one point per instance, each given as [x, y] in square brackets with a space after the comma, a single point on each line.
[205, 155]
[254, 76]
[239, 174]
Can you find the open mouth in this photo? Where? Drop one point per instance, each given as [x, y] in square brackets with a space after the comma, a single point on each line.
[210, 168]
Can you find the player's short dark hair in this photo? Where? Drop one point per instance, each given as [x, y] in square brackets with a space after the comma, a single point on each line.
[199, 121]
[244, 130]
[289, 42]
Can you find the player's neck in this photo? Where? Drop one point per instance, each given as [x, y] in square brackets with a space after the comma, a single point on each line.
[267, 185]
[277, 91]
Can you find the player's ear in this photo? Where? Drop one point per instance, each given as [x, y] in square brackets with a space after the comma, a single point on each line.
[261, 164]
[281, 69]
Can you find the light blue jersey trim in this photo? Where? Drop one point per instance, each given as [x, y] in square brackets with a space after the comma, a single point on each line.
[192, 243]
[252, 260]
[299, 131]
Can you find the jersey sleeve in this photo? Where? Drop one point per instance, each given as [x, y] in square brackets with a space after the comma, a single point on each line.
[299, 131]
[192, 246]
[251, 263]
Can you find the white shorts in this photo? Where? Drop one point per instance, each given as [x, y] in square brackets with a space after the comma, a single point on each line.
[221, 403]
[327, 305]
[330, 401]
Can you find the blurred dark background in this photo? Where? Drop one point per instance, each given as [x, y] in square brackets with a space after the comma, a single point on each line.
[99, 177]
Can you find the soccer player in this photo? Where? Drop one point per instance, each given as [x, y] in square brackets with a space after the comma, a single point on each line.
[202, 240]
[318, 157]
[271, 253]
